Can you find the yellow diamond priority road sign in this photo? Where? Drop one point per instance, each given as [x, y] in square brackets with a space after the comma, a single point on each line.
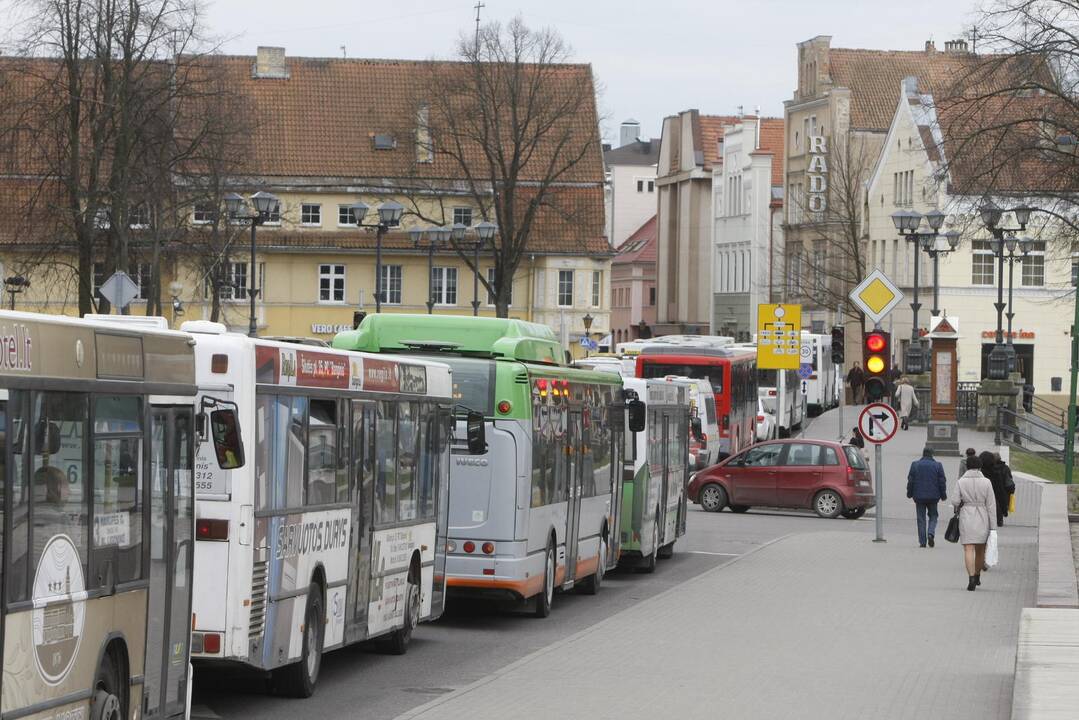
[876, 296]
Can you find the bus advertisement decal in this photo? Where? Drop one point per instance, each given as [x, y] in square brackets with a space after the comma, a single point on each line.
[315, 369]
[59, 609]
[381, 375]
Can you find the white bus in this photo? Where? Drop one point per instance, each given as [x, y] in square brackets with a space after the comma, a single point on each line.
[822, 390]
[98, 433]
[334, 531]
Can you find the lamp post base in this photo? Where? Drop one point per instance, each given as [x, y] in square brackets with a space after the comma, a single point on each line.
[943, 437]
[998, 362]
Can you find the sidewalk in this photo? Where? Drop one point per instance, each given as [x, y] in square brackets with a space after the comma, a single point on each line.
[820, 625]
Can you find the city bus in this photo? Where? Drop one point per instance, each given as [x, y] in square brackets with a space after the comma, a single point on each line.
[334, 532]
[656, 473]
[771, 384]
[538, 510]
[99, 426]
[821, 386]
[732, 373]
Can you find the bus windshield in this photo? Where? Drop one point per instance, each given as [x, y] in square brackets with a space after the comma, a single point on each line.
[711, 373]
[473, 383]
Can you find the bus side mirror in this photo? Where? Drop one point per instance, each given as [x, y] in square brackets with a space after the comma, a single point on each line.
[698, 430]
[476, 431]
[225, 433]
[46, 438]
[636, 416]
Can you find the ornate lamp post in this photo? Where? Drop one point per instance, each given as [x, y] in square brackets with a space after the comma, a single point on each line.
[15, 285]
[932, 247]
[1018, 248]
[266, 206]
[389, 215]
[1000, 357]
[587, 321]
[485, 233]
[436, 238]
[907, 223]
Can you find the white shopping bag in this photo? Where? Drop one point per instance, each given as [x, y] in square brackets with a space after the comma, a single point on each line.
[992, 555]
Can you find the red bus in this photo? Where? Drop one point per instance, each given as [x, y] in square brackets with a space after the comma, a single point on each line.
[733, 375]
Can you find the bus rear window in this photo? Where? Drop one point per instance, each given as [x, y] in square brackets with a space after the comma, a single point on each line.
[473, 383]
[711, 373]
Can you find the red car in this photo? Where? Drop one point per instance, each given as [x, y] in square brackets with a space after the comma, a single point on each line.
[830, 478]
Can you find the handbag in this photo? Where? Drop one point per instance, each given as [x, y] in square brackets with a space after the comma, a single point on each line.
[992, 552]
[952, 533]
[1011, 504]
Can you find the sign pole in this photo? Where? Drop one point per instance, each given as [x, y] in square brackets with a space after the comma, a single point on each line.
[838, 388]
[879, 477]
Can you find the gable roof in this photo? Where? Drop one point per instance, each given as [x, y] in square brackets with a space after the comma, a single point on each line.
[640, 247]
[639, 152]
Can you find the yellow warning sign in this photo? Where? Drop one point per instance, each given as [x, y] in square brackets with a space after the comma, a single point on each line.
[779, 336]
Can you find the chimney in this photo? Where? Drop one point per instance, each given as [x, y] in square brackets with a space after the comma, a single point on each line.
[930, 46]
[955, 47]
[270, 63]
[629, 132]
[910, 85]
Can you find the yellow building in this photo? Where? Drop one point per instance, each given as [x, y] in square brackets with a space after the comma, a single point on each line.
[320, 146]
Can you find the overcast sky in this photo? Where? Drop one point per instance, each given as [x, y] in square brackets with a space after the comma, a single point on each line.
[651, 59]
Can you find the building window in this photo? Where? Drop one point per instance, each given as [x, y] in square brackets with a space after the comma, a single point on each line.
[652, 296]
[983, 263]
[597, 285]
[345, 216]
[462, 215]
[391, 284]
[140, 216]
[565, 288]
[235, 283]
[311, 214]
[1034, 266]
[651, 186]
[203, 213]
[491, 281]
[640, 185]
[444, 285]
[331, 283]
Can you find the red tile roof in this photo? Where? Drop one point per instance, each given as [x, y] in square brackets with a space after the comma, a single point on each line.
[640, 247]
[772, 139]
[708, 133]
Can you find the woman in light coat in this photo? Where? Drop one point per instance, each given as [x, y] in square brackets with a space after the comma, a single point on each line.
[977, 510]
[907, 399]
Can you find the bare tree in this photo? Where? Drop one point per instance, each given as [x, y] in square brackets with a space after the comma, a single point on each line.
[511, 127]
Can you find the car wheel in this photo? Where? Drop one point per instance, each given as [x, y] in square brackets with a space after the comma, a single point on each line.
[827, 504]
[546, 596]
[713, 497]
[739, 508]
[854, 513]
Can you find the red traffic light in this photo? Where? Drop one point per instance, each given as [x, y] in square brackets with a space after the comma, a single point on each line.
[875, 342]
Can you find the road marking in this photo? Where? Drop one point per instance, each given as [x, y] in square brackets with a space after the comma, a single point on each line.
[705, 552]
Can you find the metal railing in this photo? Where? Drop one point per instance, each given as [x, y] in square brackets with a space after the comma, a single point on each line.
[966, 405]
[1050, 412]
[1029, 432]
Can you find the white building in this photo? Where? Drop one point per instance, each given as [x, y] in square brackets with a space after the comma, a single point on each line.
[747, 208]
[631, 183]
[913, 172]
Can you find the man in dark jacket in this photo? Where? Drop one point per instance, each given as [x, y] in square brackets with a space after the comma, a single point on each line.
[926, 486]
[856, 379]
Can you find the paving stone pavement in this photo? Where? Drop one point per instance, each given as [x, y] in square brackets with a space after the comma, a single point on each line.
[818, 625]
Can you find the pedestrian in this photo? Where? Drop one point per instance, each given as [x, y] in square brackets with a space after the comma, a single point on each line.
[968, 453]
[894, 373]
[926, 486]
[992, 469]
[856, 380]
[1009, 487]
[976, 507]
[856, 438]
[908, 400]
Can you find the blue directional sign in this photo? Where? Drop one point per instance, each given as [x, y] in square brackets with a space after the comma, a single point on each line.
[805, 371]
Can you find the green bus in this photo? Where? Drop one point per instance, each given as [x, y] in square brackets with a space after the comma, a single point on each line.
[538, 509]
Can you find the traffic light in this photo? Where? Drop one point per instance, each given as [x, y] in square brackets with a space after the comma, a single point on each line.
[838, 343]
[877, 351]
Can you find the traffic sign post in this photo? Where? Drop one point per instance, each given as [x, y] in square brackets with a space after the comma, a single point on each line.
[876, 296]
[119, 289]
[878, 424]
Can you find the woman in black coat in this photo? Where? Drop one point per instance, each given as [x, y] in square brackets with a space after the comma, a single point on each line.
[992, 470]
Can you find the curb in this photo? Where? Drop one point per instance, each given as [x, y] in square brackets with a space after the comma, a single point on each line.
[421, 709]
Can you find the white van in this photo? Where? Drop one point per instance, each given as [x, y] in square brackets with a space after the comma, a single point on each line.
[702, 402]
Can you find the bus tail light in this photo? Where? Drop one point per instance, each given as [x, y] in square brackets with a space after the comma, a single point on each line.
[469, 547]
[211, 643]
[771, 393]
[760, 418]
[207, 529]
[504, 407]
[219, 363]
[488, 548]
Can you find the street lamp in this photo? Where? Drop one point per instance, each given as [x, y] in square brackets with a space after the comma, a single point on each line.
[1001, 357]
[389, 215]
[907, 223]
[1018, 248]
[15, 285]
[932, 247]
[266, 206]
[436, 237]
[485, 233]
[587, 320]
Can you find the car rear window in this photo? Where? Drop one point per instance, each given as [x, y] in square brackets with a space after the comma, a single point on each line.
[854, 457]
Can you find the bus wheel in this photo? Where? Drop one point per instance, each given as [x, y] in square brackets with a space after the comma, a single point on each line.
[666, 552]
[546, 597]
[591, 584]
[648, 564]
[106, 704]
[397, 641]
[299, 678]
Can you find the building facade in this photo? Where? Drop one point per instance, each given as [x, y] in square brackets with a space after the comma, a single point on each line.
[689, 150]
[747, 205]
[631, 183]
[633, 286]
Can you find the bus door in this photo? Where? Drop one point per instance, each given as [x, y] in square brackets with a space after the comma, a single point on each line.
[618, 440]
[573, 491]
[664, 494]
[172, 513]
[442, 423]
[362, 484]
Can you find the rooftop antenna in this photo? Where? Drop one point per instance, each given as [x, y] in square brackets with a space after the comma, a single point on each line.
[479, 6]
[344, 53]
[974, 39]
